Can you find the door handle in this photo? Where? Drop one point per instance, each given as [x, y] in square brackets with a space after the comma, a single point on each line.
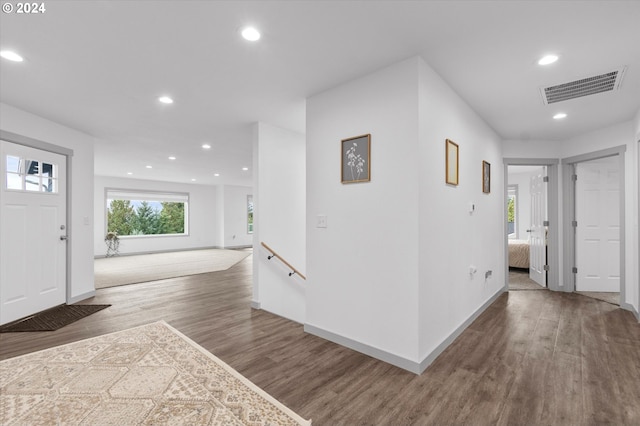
[63, 237]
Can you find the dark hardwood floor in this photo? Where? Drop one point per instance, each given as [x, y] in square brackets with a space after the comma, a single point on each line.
[533, 357]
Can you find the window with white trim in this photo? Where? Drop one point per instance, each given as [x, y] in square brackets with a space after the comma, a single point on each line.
[512, 211]
[31, 175]
[144, 213]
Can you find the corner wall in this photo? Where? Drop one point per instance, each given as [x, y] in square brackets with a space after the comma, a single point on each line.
[451, 237]
[81, 215]
[389, 276]
[235, 216]
[279, 220]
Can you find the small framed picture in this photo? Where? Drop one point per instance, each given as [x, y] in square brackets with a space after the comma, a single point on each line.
[486, 177]
[356, 159]
[452, 162]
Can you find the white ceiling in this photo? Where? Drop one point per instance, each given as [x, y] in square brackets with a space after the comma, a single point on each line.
[99, 66]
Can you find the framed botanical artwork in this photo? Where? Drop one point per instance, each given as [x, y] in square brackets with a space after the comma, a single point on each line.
[452, 162]
[356, 159]
[486, 177]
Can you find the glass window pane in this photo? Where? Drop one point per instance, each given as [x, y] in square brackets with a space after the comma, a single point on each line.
[32, 167]
[49, 170]
[32, 183]
[49, 185]
[142, 217]
[249, 214]
[14, 181]
[13, 164]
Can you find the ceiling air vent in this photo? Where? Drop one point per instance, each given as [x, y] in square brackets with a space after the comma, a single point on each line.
[584, 87]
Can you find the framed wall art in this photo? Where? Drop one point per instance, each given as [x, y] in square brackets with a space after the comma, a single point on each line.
[452, 162]
[486, 177]
[356, 159]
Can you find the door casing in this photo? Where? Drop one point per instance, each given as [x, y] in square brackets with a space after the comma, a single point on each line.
[569, 214]
[56, 149]
[553, 258]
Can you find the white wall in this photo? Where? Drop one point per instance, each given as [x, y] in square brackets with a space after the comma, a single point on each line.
[530, 149]
[203, 227]
[451, 238]
[363, 277]
[389, 275]
[235, 216]
[279, 220]
[81, 233]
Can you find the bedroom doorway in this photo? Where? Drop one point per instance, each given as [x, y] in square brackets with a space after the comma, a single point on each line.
[531, 224]
[526, 221]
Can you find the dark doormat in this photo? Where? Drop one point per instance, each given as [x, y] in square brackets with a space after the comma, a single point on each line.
[52, 319]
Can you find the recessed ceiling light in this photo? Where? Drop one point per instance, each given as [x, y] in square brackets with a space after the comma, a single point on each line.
[165, 100]
[149, 167]
[251, 34]
[129, 173]
[559, 116]
[206, 146]
[546, 60]
[193, 180]
[216, 174]
[12, 56]
[245, 168]
[172, 158]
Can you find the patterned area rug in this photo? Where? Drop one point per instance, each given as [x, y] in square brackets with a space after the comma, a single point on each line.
[151, 374]
[121, 270]
[52, 319]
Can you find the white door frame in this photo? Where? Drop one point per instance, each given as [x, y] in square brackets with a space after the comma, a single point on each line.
[569, 214]
[553, 254]
[45, 146]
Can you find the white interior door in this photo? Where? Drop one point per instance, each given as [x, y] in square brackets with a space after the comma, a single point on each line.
[598, 229]
[537, 234]
[33, 227]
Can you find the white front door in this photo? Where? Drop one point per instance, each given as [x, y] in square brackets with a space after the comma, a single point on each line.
[537, 231]
[598, 228]
[33, 228]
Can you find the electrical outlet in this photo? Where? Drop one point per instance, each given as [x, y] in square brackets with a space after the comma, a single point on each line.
[321, 221]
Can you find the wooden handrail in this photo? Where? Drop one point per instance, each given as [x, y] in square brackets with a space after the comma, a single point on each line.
[274, 254]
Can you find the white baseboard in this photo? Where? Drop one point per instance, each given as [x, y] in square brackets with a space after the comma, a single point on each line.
[372, 351]
[393, 359]
[100, 256]
[255, 305]
[458, 331]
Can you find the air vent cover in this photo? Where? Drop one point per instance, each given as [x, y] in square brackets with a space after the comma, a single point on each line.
[587, 86]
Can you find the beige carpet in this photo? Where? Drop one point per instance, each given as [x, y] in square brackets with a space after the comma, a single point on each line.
[151, 374]
[121, 270]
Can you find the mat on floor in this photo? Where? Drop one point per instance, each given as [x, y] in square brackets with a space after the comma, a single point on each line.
[52, 319]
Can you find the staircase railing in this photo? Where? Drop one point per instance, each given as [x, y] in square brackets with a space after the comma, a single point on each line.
[276, 255]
